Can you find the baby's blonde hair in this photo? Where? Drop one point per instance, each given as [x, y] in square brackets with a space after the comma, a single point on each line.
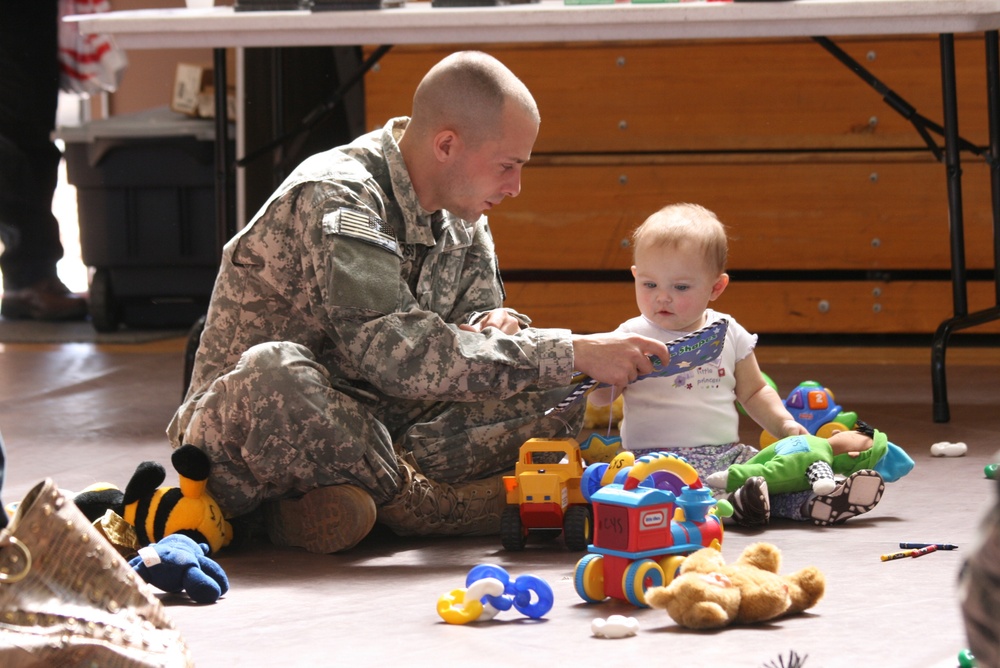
[676, 223]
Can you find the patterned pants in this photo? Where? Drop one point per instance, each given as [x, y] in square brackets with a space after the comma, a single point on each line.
[979, 591]
[708, 459]
[280, 424]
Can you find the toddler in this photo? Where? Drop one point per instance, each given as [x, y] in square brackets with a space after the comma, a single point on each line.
[680, 257]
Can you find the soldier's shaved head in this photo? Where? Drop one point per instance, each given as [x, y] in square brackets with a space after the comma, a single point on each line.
[467, 92]
[472, 130]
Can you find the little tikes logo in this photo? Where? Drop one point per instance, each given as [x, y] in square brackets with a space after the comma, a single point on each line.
[653, 519]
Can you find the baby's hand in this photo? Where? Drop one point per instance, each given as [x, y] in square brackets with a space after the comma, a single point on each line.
[718, 480]
[793, 428]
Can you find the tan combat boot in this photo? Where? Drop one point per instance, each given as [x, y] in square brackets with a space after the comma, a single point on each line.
[323, 521]
[427, 508]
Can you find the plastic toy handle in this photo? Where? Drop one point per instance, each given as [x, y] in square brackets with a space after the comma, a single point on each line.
[658, 461]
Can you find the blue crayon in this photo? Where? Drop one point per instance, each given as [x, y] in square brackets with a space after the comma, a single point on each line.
[917, 546]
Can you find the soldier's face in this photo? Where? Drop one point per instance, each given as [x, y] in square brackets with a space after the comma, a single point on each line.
[481, 176]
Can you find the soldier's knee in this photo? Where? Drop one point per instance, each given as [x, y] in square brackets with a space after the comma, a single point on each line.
[272, 354]
[277, 361]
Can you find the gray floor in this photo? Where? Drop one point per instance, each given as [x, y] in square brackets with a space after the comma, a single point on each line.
[81, 413]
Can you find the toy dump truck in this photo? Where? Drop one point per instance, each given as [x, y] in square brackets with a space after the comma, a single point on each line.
[543, 495]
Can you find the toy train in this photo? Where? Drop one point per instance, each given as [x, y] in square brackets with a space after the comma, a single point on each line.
[649, 513]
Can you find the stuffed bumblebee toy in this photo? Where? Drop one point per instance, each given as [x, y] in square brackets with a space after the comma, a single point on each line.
[156, 512]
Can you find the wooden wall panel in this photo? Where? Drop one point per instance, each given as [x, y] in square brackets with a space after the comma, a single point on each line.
[777, 307]
[708, 96]
[821, 183]
[784, 211]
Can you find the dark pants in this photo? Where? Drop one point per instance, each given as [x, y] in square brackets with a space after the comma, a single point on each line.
[3, 463]
[979, 590]
[29, 160]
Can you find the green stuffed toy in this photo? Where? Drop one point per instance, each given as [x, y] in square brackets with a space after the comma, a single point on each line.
[810, 463]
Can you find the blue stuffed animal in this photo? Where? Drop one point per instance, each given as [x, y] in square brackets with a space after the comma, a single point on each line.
[177, 563]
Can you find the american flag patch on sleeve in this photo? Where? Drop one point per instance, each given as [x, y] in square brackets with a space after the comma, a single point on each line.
[363, 226]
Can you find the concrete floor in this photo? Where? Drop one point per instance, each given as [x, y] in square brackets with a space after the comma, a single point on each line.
[81, 413]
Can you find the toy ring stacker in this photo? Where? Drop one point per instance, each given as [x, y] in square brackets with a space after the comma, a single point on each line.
[518, 593]
[489, 590]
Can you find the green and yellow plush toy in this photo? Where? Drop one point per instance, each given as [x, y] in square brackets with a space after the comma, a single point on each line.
[810, 463]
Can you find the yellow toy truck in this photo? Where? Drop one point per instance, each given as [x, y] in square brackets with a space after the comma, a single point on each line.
[544, 497]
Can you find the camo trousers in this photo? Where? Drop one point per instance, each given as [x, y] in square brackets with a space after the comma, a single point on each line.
[979, 589]
[280, 424]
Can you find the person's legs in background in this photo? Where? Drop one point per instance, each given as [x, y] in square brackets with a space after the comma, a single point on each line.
[29, 163]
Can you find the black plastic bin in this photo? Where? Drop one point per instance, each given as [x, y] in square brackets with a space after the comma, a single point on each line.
[146, 198]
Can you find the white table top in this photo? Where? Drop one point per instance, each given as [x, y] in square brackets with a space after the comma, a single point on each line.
[546, 21]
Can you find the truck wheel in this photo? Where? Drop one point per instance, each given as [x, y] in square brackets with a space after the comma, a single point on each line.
[640, 576]
[513, 534]
[671, 567]
[588, 580]
[578, 528]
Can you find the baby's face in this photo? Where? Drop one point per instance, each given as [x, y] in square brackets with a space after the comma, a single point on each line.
[849, 441]
[673, 286]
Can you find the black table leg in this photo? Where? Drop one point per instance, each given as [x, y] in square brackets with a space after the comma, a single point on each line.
[225, 211]
[962, 319]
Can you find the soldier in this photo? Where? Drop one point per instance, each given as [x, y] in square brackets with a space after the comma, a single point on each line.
[357, 362]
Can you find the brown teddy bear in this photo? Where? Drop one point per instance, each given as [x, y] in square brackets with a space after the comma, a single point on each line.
[709, 594]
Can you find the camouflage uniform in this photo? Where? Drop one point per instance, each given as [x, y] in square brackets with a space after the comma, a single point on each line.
[332, 347]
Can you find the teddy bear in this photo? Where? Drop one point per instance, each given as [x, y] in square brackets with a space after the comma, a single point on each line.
[176, 563]
[708, 593]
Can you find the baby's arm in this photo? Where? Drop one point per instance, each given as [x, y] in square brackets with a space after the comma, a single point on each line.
[761, 402]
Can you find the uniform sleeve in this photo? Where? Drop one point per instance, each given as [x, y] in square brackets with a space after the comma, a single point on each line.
[388, 337]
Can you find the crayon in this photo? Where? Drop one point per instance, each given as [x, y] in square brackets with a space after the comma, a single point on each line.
[917, 546]
[897, 555]
[919, 552]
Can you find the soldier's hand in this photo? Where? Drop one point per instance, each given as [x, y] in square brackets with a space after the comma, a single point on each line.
[616, 359]
[499, 318]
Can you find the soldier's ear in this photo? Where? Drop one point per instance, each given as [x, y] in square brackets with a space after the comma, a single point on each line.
[446, 143]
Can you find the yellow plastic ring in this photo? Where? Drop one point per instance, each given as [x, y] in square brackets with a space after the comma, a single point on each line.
[454, 609]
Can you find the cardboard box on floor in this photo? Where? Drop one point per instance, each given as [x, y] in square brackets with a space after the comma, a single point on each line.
[194, 92]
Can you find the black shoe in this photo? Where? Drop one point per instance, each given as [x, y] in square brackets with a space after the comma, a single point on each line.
[47, 299]
[855, 496]
[751, 503]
